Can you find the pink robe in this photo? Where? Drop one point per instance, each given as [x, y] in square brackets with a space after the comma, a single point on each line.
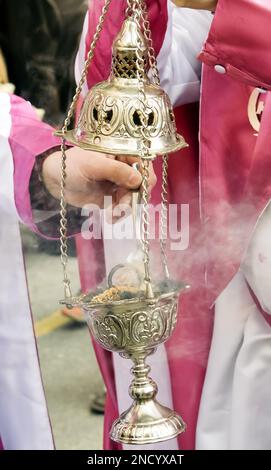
[234, 190]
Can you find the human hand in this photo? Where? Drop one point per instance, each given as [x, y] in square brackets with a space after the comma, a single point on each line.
[91, 176]
[196, 4]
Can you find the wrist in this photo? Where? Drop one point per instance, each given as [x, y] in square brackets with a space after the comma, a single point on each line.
[50, 173]
[41, 197]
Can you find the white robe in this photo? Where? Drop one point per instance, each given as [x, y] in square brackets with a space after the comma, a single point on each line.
[24, 421]
[235, 411]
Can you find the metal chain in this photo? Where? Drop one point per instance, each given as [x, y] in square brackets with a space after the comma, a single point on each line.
[151, 52]
[129, 9]
[138, 9]
[63, 204]
[164, 216]
[145, 154]
[164, 193]
[146, 226]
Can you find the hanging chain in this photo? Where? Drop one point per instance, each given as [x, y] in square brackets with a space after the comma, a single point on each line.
[146, 225]
[138, 10]
[137, 14]
[156, 78]
[151, 52]
[164, 194]
[164, 216]
[129, 9]
[63, 204]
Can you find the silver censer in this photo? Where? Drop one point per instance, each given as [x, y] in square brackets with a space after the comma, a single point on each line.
[130, 114]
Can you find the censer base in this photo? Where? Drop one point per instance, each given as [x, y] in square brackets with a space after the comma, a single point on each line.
[147, 423]
[134, 327]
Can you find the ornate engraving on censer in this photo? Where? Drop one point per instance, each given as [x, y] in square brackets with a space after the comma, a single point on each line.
[130, 114]
[134, 328]
[122, 329]
[111, 115]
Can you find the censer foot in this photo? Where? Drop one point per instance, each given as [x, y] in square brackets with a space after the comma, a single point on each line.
[146, 421]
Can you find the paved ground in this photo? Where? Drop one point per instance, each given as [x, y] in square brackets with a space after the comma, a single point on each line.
[70, 372]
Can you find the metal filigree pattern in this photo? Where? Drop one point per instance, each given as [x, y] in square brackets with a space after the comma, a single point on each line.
[115, 116]
[130, 327]
[124, 66]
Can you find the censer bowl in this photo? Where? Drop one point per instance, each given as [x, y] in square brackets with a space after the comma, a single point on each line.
[134, 328]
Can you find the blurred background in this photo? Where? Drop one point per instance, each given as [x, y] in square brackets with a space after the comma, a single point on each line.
[38, 45]
[39, 40]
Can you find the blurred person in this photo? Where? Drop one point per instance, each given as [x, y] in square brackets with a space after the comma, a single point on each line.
[39, 43]
[28, 154]
[40, 57]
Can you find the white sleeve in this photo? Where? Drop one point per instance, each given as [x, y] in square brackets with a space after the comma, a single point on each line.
[81, 55]
[256, 266]
[180, 70]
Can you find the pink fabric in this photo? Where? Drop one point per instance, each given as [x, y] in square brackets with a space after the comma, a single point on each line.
[240, 39]
[235, 163]
[188, 348]
[29, 138]
[235, 182]
[91, 254]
